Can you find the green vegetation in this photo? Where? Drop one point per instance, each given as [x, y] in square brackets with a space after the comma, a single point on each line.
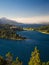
[9, 32]
[17, 62]
[9, 60]
[34, 60]
[43, 29]
[28, 29]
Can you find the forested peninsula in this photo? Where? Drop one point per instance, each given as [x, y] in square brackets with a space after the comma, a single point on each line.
[10, 32]
[43, 29]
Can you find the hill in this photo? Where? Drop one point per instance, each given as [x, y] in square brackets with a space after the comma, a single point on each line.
[12, 22]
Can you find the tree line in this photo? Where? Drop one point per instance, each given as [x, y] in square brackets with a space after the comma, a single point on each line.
[34, 59]
[43, 28]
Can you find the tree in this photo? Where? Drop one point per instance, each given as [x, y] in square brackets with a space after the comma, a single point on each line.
[47, 63]
[35, 58]
[1, 60]
[17, 62]
[9, 58]
[43, 63]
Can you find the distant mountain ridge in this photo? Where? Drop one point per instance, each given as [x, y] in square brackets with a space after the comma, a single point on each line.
[7, 21]
[12, 22]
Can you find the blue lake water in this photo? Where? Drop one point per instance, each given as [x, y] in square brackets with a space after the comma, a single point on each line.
[23, 48]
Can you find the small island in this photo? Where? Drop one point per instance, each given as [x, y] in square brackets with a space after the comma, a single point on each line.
[10, 32]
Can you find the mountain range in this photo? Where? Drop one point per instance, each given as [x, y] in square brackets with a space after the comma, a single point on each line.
[12, 22]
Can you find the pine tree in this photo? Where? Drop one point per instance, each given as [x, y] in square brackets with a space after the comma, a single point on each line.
[17, 62]
[35, 58]
[9, 58]
[44, 63]
[1, 60]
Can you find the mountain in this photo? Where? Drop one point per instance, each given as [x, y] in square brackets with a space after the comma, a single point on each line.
[7, 21]
[12, 22]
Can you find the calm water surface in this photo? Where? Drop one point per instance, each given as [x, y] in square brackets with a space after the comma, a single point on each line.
[23, 48]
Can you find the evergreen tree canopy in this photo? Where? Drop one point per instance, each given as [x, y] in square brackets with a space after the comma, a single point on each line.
[35, 58]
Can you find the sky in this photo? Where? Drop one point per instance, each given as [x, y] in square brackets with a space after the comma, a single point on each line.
[25, 11]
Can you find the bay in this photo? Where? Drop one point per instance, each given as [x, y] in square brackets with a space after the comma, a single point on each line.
[23, 48]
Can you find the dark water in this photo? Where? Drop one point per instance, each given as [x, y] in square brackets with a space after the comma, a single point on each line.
[23, 48]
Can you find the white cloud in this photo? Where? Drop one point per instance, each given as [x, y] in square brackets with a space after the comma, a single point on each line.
[30, 20]
[36, 19]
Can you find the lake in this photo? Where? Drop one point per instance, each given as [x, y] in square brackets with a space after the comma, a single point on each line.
[23, 48]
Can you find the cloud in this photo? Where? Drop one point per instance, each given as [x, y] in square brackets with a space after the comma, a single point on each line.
[30, 20]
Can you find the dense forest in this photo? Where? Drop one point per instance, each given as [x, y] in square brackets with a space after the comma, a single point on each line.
[10, 32]
[34, 59]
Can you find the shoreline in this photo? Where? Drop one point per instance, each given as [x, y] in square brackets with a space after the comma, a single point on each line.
[43, 32]
[12, 39]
